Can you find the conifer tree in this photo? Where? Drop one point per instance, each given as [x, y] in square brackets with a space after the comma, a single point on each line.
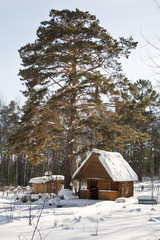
[149, 101]
[73, 77]
[141, 114]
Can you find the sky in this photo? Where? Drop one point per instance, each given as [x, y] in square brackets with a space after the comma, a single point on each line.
[19, 20]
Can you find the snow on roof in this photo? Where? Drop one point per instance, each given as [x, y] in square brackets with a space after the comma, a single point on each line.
[46, 179]
[115, 165]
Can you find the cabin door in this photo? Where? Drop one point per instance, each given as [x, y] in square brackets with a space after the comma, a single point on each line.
[93, 189]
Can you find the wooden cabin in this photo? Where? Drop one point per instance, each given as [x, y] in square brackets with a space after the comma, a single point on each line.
[47, 184]
[106, 175]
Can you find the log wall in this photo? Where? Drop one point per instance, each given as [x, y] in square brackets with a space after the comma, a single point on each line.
[50, 187]
[126, 189]
[108, 195]
[93, 169]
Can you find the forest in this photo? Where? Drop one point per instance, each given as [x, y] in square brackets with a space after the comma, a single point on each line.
[77, 98]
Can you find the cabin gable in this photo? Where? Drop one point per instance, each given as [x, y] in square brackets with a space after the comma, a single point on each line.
[93, 169]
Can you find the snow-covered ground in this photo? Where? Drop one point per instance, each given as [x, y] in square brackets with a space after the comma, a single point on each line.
[77, 219]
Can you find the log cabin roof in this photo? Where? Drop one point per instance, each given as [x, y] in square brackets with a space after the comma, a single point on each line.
[114, 164]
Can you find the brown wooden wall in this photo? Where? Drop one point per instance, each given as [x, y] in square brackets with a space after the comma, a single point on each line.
[50, 187]
[104, 184]
[112, 196]
[118, 189]
[126, 189]
[84, 194]
[93, 169]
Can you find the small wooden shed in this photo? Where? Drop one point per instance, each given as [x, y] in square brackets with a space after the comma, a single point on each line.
[107, 176]
[47, 184]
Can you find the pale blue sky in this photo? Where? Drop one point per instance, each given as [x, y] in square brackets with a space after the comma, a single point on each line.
[19, 20]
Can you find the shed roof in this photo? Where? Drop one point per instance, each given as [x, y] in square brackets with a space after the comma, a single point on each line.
[115, 165]
[45, 179]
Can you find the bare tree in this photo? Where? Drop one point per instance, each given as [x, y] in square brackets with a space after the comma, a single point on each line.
[153, 58]
[157, 3]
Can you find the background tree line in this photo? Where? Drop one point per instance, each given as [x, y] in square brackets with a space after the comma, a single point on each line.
[143, 156]
[77, 98]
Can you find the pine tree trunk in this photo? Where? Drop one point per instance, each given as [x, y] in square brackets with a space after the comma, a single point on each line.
[67, 173]
[140, 163]
[68, 166]
[55, 168]
[8, 171]
[25, 173]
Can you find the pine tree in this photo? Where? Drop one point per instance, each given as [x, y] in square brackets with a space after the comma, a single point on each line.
[149, 105]
[143, 107]
[72, 76]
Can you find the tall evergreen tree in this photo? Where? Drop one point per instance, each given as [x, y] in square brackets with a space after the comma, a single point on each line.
[149, 105]
[143, 118]
[73, 77]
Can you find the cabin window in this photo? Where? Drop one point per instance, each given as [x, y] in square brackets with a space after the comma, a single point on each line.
[126, 188]
[83, 184]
